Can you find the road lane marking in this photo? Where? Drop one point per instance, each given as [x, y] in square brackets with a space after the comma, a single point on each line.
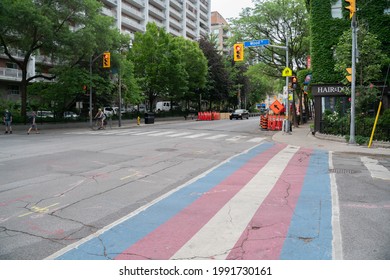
[377, 171]
[225, 228]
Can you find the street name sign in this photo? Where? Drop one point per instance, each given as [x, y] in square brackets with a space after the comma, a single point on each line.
[256, 43]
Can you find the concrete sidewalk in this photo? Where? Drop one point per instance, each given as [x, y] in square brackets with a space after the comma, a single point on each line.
[302, 136]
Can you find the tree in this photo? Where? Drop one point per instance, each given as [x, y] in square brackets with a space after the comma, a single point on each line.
[66, 33]
[218, 83]
[275, 20]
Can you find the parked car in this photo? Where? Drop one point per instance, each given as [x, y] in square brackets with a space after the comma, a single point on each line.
[70, 115]
[109, 111]
[239, 114]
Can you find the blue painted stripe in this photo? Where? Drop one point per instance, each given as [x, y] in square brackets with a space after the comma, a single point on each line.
[117, 239]
[310, 232]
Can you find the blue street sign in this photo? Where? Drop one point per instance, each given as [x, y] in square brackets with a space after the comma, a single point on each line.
[256, 43]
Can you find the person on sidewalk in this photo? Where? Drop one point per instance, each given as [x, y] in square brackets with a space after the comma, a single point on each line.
[32, 119]
[7, 121]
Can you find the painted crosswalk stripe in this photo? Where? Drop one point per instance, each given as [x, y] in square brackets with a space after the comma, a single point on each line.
[225, 228]
[147, 132]
[172, 235]
[196, 135]
[256, 140]
[218, 136]
[160, 133]
[377, 171]
[179, 134]
[115, 238]
[237, 138]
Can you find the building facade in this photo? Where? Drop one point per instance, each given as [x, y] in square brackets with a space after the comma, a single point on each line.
[186, 18]
[220, 30]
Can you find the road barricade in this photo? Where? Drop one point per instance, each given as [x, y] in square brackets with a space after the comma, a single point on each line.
[264, 122]
[209, 116]
[275, 122]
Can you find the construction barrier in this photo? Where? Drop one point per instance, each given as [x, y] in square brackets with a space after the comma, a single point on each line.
[264, 122]
[209, 116]
[275, 122]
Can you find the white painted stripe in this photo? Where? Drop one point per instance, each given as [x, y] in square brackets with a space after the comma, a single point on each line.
[377, 171]
[196, 135]
[161, 133]
[147, 132]
[256, 140]
[222, 232]
[237, 138]
[179, 134]
[337, 244]
[139, 210]
[217, 136]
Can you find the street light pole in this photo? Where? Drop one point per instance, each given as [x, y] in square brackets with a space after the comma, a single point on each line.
[353, 82]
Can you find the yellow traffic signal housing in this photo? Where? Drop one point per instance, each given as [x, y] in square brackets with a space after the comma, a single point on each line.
[351, 7]
[349, 77]
[238, 52]
[106, 60]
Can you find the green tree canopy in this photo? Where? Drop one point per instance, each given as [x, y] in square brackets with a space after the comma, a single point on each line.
[65, 33]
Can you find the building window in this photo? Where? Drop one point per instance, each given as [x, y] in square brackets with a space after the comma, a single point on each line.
[13, 90]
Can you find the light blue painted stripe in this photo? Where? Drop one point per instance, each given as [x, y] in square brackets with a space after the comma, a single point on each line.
[115, 240]
[310, 232]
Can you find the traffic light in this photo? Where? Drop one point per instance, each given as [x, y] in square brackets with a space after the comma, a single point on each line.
[351, 7]
[238, 52]
[106, 60]
[349, 77]
[294, 81]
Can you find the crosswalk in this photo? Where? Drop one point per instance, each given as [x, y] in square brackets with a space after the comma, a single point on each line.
[174, 134]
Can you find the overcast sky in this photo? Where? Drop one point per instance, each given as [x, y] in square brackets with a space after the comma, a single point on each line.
[230, 8]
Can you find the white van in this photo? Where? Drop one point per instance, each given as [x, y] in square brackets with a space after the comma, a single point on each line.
[165, 106]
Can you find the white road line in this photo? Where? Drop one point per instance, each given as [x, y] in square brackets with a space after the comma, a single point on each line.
[179, 134]
[196, 135]
[147, 132]
[377, 171]
[161, 133]
[217, 136]
[222, 232]
[256, 140]
[337, 245]
[236, 138]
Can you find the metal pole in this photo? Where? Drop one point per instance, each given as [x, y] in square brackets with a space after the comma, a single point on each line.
[353, 83]
[120, 95]
[287, 120]
[90, 91]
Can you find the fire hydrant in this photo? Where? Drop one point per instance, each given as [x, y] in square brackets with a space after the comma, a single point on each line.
[138, 120]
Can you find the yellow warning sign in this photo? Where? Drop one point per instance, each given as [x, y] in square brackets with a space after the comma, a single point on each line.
[287, 72]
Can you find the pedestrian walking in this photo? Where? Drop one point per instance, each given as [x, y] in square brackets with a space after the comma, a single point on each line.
[33, 125]
[7, 121]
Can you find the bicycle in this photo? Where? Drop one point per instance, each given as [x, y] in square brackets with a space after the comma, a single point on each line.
[97, 125]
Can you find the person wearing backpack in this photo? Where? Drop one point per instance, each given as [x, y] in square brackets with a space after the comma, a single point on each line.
[7, 121]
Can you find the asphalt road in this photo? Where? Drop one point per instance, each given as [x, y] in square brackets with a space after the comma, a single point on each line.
[62, 186]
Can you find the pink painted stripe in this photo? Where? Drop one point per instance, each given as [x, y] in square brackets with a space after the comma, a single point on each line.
[166, 240]
[266, 232]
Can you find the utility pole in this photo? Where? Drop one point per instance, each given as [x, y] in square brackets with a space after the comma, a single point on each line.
[352, 16]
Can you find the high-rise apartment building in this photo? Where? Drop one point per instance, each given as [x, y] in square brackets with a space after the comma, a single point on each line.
[187, 18]
[221, 31]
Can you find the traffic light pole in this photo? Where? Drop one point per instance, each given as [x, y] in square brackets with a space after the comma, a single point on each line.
[353, 83]
[91, 61]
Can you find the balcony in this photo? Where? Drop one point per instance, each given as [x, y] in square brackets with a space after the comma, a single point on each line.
[133, 12]
[175, 23]
[111, 3]
[177, 4]
[10, 74]
[132, 24]
[156, 13]
[158, 3]
[176, 14]
[190, 23]
[137, 3]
